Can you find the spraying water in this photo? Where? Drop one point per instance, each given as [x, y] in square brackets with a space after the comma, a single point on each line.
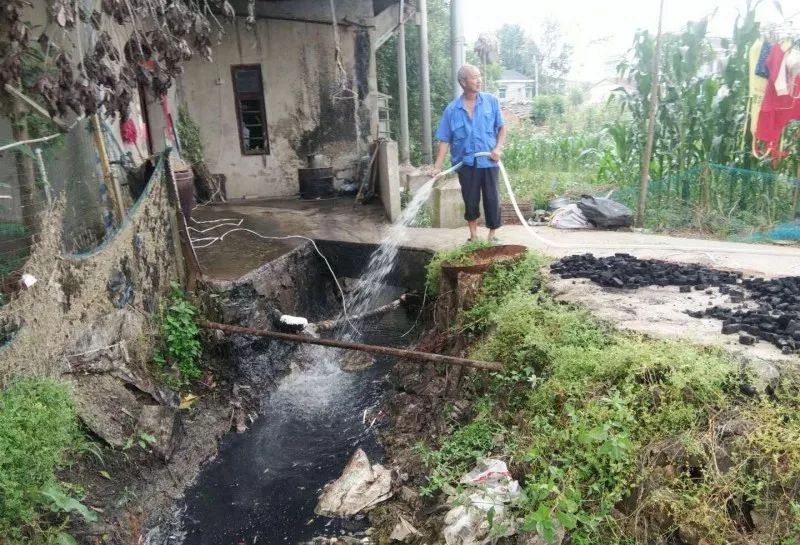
[382, 260]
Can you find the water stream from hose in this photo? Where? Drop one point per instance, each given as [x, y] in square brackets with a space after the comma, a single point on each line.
[382, 261]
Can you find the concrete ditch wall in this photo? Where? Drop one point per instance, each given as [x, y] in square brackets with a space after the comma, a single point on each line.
[300, 284]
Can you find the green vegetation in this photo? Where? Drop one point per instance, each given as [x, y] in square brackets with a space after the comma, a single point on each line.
[704, 176]
[39, 433]
[458, 453]
[564, 156]
[179, 361]
[456, 256]
[620, 439]
[440, 83]
[547, 108]
[504, 279]
[189, 133]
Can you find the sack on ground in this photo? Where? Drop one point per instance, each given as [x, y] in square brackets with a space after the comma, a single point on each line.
[602, 212]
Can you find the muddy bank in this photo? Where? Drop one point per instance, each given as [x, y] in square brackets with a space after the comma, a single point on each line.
[667, 430]
[134, 485]
[137, 489]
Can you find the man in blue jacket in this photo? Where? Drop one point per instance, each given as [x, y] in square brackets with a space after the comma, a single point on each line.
[473, 123]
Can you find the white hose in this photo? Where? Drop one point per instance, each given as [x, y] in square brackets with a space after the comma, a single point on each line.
[572, 246]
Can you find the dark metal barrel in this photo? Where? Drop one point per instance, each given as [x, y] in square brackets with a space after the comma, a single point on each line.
[316, 183]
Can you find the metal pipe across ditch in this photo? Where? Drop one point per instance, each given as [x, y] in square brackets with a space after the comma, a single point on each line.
[412, 355]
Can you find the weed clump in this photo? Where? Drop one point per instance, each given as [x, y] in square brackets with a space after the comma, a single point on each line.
[502, 281]
[178, 361]
[624, 439]
[38, 432]
[456, 256]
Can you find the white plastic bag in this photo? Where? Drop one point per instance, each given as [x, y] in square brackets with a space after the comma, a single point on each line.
[491, 487]
[570, 217]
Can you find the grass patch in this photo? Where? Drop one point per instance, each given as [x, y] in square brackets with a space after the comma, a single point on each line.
[39, 433]
[457, 454]
[456, 256]
[618, 436]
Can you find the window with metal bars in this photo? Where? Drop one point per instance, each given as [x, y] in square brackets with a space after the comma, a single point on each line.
[251, 113]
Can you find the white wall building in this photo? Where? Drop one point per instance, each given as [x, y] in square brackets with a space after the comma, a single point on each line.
[515, 87]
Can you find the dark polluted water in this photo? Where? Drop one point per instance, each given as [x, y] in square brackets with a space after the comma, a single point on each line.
[265, 483]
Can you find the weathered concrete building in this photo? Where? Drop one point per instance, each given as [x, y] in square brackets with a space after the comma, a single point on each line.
[290, 86]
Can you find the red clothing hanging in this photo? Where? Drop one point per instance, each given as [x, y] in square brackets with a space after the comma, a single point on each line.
[128, 131]
[776, 110]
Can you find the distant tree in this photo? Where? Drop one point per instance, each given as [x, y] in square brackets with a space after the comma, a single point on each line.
[517, 51]
[575, 97]
[486, 48]
[555, 58]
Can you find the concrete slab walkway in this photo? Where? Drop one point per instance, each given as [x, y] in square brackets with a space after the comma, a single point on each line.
[344, 220]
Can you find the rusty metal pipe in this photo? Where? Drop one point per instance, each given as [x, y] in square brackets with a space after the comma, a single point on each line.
[371, 348]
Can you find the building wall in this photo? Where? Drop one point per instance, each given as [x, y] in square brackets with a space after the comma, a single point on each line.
[299, 78]
[515, 90]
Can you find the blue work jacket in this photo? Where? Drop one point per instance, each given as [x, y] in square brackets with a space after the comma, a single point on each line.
[469, 136]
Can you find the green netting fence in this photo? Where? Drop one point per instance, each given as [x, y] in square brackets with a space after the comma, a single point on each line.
[720, 201]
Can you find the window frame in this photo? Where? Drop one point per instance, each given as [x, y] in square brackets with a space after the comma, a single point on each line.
[237, 100]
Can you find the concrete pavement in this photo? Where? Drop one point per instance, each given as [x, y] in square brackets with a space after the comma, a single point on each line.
[344, 220]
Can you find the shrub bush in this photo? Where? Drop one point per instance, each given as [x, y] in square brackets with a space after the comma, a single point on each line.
[38, 432]
[181, 339]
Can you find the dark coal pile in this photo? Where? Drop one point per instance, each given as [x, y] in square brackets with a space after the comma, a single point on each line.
[775, 320]
[626, 271]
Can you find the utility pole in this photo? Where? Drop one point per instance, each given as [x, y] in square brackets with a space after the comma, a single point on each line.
[651, 125]
[536, 75]
[425, 83]
[458, 42]
[402, 84]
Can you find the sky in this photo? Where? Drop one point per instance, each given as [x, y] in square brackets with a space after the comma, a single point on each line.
[600, 30]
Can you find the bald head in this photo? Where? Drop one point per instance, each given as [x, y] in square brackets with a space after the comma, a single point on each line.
[467, 75]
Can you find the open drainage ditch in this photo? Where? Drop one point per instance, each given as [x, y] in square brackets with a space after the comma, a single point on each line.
[264, 484]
